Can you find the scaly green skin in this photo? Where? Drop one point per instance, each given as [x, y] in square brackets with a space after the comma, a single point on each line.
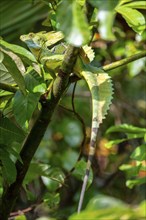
[38, 44]
[98, 82]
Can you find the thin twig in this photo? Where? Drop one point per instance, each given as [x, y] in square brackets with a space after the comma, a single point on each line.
[81, 121]
[124, 61]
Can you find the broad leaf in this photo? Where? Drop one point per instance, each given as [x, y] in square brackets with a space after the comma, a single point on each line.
[5, 75]
[15, 68]
[9, 132]
[103, 201]
[34, 83]
[133, 17]
[73, 23]
[22, 52]
[23, 107]
[8, 168]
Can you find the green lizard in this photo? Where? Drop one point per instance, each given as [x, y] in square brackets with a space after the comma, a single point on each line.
[38, 44]
[99, 84]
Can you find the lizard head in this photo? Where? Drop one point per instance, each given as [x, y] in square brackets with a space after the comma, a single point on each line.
[34, 41]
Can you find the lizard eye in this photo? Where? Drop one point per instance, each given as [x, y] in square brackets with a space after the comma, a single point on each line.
[32, 35]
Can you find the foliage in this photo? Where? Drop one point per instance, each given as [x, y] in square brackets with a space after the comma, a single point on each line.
[113, 209]
[138, 154]
[27, 80]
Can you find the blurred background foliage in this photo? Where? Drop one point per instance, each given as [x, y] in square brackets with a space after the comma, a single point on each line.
[45, 190]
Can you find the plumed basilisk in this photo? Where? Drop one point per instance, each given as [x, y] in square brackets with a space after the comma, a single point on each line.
[42, 46]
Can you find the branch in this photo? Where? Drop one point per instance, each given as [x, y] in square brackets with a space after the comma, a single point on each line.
[8, 87]
[36, 134]
[125, 61]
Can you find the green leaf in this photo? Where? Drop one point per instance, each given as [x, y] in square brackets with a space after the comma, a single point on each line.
[53, 179]
[73, 23]
[21, 217]
[103, 202]
[80, 169]
[107, 214]
[22, 52]
[52, 200]
[137, 4]
[139, 153]
[138, 181]
[133, 17]
[5, 75]
[125, 128]
[141, 208]
[131, 171]
[24, 106]
[35, 170]
[114, 142]
[15, 68]
[68, 159]
[107, 208]
[34, 83]
[9, 132]
[8, 168]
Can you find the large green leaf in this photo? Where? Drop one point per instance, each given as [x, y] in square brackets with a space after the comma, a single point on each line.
[24, 106]
[8, 168]
[73, 23]
[22, 52]
[15, 67]
[9, 132]
[5, 75]
[34, 83]
[133, 17]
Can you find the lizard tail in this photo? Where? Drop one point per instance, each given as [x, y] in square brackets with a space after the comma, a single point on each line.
[91, 81]
[89, 161]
